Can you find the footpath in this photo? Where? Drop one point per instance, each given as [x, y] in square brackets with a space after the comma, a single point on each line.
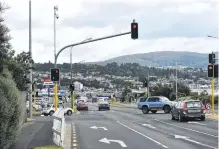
[35, 134]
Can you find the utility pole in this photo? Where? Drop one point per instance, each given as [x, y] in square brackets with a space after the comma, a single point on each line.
[176, 82]
[148, 85]
[71, 64]
[55, 17]
[30, 64]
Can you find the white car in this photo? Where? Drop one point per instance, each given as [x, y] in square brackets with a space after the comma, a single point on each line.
[50, 110]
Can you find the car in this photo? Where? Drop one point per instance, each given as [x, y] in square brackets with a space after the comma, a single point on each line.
[187, 109]
[103, 105]
[82, 106]
[49, 109]
[154, 104]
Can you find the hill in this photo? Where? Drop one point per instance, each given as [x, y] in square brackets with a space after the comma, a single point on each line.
[162, 59]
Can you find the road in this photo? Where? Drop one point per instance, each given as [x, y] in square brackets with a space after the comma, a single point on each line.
[129, 128]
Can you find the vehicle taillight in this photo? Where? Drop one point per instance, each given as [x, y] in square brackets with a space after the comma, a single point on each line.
[184, 106]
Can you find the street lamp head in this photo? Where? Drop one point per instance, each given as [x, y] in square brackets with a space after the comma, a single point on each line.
[57, 16]
[56, 8]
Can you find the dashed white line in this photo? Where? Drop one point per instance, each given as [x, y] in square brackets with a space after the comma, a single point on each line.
[164, 146]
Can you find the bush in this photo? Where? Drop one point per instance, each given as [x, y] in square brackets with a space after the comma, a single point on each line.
[10, 111]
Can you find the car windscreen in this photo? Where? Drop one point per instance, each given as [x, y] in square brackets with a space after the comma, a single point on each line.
[194, 104]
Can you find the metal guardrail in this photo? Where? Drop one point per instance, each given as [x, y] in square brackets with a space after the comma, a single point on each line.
[59, 127]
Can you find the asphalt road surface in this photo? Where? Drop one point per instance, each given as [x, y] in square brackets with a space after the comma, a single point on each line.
[130, 128]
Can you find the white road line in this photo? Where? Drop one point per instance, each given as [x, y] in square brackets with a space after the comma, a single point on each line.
[197, 123]
[187, 128]
[164, 146]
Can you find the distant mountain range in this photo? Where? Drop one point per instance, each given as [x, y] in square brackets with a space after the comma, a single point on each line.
[163, 59]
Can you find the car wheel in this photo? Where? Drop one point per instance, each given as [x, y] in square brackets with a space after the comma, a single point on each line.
[167, 109]
[145, 109]
[202, 118]
[51, 113]
[69, 112]
[180, 118]
[154, 111]
[108, 108]
[99, 109]
[173, 118]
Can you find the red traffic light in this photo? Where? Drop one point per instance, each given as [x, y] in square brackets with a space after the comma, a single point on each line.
[134, 26]
[210, 67]
[57, 71]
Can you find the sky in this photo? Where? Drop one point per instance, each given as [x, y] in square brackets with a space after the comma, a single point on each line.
[164, 25]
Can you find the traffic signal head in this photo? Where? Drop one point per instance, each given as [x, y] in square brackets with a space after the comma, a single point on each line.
[72, 87]
[210, 71]
[211, 58]
[54, 75]
[145, 83]
[36, 94]
[134, 30]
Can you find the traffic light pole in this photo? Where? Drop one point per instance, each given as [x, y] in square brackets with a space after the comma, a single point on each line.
[80, 43]
[34, 85]
[212, 85]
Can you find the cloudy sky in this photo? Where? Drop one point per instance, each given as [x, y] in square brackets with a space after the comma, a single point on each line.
[179, 25]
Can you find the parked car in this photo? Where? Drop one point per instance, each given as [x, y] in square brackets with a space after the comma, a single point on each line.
[49, 109]
[82, 106]
[103, 105]
[184, 110]
[154, 104]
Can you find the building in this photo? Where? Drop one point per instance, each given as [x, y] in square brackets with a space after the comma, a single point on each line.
[78, 86]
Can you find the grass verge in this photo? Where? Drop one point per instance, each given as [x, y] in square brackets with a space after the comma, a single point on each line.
[215, 117]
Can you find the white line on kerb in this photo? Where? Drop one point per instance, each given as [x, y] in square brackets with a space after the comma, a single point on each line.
[187, 128]
[143, 135]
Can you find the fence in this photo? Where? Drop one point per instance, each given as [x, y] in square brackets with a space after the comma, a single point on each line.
[59, 127]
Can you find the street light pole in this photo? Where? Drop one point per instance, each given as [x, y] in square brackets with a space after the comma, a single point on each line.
[71, 58]
[176, 82]
[30, 64]
[55, 17]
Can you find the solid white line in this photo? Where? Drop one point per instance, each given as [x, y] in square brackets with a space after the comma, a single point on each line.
[143, 135]
[197, 123]
[187, 128]
[196, 142]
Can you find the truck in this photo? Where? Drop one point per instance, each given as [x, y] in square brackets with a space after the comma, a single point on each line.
[154, 104]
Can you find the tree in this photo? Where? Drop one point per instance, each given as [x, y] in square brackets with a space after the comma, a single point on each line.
[6, 51]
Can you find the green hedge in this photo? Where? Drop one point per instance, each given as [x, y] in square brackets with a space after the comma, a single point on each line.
[10, 111]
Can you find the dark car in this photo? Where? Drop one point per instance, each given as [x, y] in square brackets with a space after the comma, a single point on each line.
[103, 105]
[184, 110]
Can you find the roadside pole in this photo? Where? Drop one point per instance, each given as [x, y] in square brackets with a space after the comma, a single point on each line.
[73, 101]
[34, 85]
[213, 87]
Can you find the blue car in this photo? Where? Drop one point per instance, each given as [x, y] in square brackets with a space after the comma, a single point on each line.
[154, 104]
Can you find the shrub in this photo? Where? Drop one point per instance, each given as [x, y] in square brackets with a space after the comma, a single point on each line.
[10, 110]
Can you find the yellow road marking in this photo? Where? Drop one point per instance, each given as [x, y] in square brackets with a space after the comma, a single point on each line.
[74, 144]
[74, 141]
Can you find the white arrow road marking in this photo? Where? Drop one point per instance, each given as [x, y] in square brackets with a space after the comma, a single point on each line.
[196, 123]
[95, 127]
[148, 125]
[193, 141]
[105, 140]
[164, 146]
[186, 128]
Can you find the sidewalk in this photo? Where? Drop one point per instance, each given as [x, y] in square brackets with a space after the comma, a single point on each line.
[37, 133]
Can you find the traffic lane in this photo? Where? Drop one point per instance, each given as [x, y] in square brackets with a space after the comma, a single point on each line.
[202, 135]
[115, 137]
[211, 125]
[208, 140]
[164, 139]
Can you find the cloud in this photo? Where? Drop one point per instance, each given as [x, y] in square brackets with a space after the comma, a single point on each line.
[163, 25]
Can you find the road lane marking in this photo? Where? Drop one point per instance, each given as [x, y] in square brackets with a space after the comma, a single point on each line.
[148, 125]
[95, 127]
[105, 140]
[197, 123]
[186, 128]
[164, 146]
[193, 141]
